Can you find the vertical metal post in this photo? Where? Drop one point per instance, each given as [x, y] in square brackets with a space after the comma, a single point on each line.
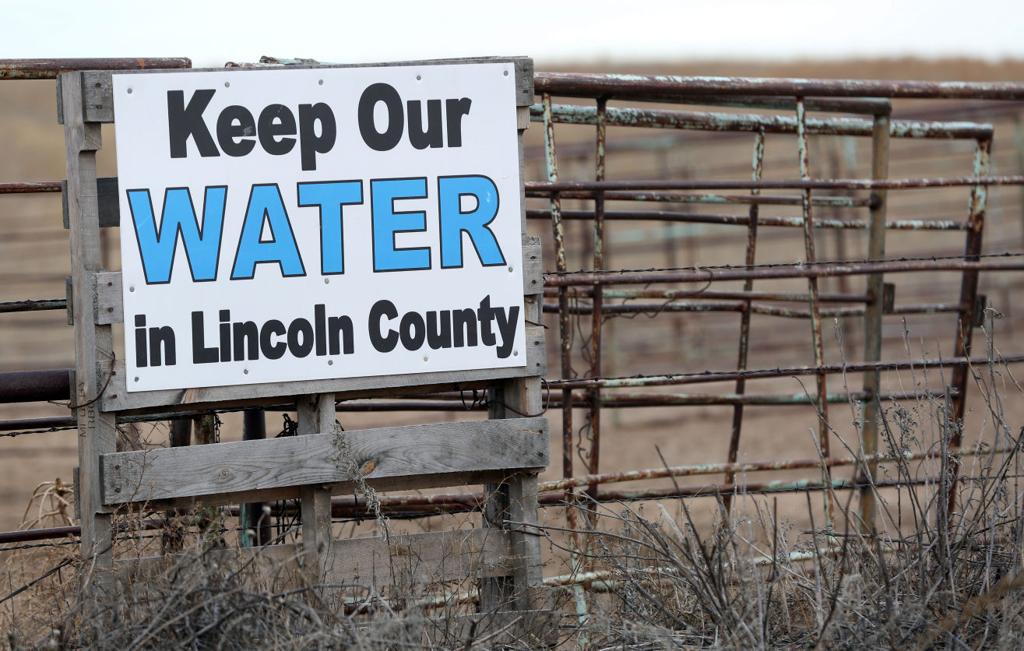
[757, 169]
[94, 346]
[873, 317]
[812, 286]
[597, 299]
[1018, 139]
[968, 304]
[669, 232]
[254, 523]
[181, 432]
[564, 324]
[836, 171]
[565, 344]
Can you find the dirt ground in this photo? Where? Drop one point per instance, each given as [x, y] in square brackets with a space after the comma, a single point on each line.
[34, 263]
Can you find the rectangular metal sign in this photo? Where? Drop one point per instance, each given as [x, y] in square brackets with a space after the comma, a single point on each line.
[304, 224]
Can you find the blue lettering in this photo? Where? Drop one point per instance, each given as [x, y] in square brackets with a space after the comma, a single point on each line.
[266, 206]
[157, 245]
[455, 222]
[330, 196]
[387, 222]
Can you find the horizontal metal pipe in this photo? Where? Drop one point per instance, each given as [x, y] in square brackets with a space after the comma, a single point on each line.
[31, 535]
[623, 86]
[51, 533]
[49, 422]
[743, 467]
[818, 270]
[759, 488]
[35, 386]
[705, 377]
[546, 188]
[651, 308]
[50, 68]
[852, 105]
[781, 124]
[26, 187]
[744, 220]
[637, 400]
[785, 297]
[702, 399]
[415, 506]
[719, 199]
[739, 306]
[33, 305]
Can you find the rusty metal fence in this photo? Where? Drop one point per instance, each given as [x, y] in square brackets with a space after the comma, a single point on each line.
[583, 301]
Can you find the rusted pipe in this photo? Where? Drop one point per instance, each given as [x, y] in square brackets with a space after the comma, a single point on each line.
[597, 301]
[750, 257]
[667, 87]
[712, 199]
[33, 305]
[46, 423]
[776, 124]
[30, 187]
[543, 189]
[35, 386]
[51, 68]
[713, 274]
[671, 294]
[744, 220]
[705, 377]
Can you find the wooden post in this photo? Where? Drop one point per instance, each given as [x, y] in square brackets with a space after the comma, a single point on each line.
[185, 475]
[316, 416]
[873, 318]
[512, 505]
[94, 349]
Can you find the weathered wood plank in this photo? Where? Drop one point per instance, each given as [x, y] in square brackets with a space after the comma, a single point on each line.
[109, 298]
[512, 503]
[111, 306]
[409, 560]
[116, 398]
[533, 266]
[106, 201]
[390, 456]
[316, 414]
[94, 349]
[99, 97]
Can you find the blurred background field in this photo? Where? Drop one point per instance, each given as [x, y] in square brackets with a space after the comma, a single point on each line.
[34, 262]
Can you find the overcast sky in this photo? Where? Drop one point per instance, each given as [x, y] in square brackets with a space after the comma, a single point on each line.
[212, 32]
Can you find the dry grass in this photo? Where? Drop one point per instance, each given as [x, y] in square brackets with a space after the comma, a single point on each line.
[656, 579]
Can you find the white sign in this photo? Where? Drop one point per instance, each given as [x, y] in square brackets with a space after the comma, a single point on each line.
[307, 224]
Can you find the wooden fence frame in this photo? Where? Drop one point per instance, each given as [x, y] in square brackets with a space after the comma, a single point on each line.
[505, 452]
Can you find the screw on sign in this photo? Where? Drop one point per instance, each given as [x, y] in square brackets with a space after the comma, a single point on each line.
[365, 216]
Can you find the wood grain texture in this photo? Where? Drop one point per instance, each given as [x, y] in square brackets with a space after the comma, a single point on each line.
[512, 504]
[406, 561]
[99, 97]
[94, 349]
[316, 414]
[402, 456]
[109, 298]
[106, 200]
